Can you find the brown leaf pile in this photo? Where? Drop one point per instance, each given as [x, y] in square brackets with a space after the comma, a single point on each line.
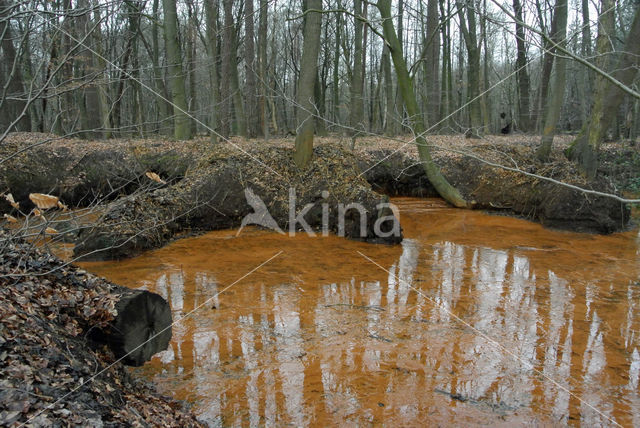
[47, 365]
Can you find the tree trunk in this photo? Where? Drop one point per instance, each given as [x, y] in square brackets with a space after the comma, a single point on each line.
[192, 63]
[522, 76]
[14, 111]
[141, 328]
[250, 92]
[211, 12]
[587, 75]
[468, 28]
[446, 107]
[398, 108]
[485, 100]
[431, 62]
[390, 127]
[232, 96]
[336, 70]
[608, 97]
[547, 65]
[319, 97]
[159, 85]
[262, 59]
[554, 102]
[181, 127]
[405, 86]
[356, 108]
[308, 71]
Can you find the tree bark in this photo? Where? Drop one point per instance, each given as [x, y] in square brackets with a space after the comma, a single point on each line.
[608, 97]
[405, 86]
[232, 95]
[431, 62]
[308, 71]
[356, 108]
[141, 328]
[158, 80]
[192, 59]
[250, 92]
[554, 102]
[181, 127]
[336, 69]
[262, 59]
[522, 75]
[390, 118]
[468, 28]
[211, 13]
[547, 65]
[13, 98]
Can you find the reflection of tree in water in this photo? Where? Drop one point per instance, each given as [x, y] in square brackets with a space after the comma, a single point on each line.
[336, 349]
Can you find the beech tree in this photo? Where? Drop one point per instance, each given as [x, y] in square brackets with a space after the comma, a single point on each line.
[608, 97]
[522, 75]
[467, 13]
[554, 102]
[181, 127]
[308, 68]
[442, 186]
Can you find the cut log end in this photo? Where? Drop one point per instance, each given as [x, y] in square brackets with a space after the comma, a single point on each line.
[141, 329]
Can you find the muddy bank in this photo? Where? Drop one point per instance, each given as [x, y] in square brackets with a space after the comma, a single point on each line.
[51, 372]
[215, 194]
[84, 172]
[500, 190]
[204, 184]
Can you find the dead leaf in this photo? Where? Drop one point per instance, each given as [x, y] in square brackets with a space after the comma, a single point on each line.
[50, 231]
[36, 212]
[155, 177]
[44, 202]
[14, 204]
[63, 207]
[10, 218]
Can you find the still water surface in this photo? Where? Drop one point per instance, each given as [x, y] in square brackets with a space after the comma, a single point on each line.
[473, 320]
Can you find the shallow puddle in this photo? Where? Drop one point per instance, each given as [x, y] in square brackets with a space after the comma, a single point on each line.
[474, 319]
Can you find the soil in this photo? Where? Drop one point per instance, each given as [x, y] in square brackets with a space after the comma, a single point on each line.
[202, 185]
[213, 196]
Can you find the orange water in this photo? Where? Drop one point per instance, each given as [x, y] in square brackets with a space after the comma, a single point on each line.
[473, 320]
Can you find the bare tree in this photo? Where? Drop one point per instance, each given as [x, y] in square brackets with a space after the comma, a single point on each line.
[554, 102]
[608, 97]
[308, 69]
[181, 127]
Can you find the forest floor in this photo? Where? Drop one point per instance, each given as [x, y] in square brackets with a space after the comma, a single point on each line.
[49, 375]
[84, 173]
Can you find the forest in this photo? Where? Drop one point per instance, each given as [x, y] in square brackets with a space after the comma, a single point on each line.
[138, 68]
[178, 177]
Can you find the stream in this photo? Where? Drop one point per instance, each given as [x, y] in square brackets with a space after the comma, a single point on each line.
[475, 319]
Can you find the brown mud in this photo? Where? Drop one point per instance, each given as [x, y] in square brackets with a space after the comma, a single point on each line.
[547, 331]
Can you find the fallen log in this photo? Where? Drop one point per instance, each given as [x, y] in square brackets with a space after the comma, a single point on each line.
[133, 324]
[141, 328]
[52, 370]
